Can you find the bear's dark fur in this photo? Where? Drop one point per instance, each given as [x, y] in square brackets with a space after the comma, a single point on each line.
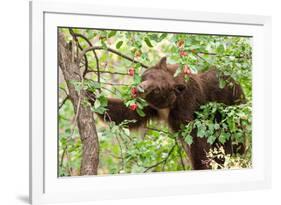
[178, 99]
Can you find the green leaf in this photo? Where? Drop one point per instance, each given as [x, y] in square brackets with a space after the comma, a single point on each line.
[216, 126]
[222, 83]
[140, 112]
[140, 105]
[103, 44]
[200, 133]
[137, 79]
[211, 128]
[231, 124]
[178, 71]
[211, 139]
[103, 100]
[188, 139]
[193, 69]
[97, 104]
[162, 36]
[111, 34]
[77, 84]
[153, 36]
[201, 130]
[220, 48]
[119, 44]
[129, 102]
[90, 33]
[224, 137]
[100, 110]
[148, 43]
[92, 85]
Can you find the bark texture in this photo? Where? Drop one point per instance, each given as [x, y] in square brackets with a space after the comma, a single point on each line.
[68, 62]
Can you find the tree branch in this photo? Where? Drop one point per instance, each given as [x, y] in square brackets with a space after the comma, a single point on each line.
[63, 102]
[85, 121]
[94, 52]
[80, 47]
[198, 56]
[121, 153]
[62, 156]
[215, 54]
[179, 151]
[112, 84]
[165, 132]
[112, 51]
[109, 72]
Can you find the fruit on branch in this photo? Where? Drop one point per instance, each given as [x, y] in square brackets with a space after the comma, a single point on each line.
[133, 106]
[134, 92]
[183, 53]
[186, 70]
[131, 71]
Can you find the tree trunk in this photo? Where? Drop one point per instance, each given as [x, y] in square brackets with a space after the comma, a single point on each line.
[84, 116]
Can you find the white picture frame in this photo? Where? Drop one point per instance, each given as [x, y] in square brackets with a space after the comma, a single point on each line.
[46, 187]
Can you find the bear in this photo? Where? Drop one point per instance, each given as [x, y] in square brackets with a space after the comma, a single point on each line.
[175, 100]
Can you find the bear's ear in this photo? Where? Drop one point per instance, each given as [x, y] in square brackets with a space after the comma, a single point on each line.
[179, 88]
[163, 63]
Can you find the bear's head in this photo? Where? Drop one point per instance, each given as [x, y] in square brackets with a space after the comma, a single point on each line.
[160, 88]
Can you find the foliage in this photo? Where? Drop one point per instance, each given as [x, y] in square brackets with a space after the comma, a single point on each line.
[230, 162]
[235, 123]
[153, 148]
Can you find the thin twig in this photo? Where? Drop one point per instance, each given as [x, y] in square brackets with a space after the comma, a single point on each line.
[68, 163]
[62, 156]
[107, 152]
[111, 91]
[74, 122]
[198, 56]
[121, 153]
[165, 132]
[179, 151]
[110, 50]
[77, 111]
[109, 72]
[80, 47]
[112, 84]
[63, 102]
[155, 129]
[95, 54]
[106, 114]
[162, 161]
[65, 99]
[215, 54]
[97, 64]
[64, 90]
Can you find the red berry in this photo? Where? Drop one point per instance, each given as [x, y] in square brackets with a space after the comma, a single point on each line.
[186, 70]
[183, 53]
[133, 106]
[134, 92]
[131, 71]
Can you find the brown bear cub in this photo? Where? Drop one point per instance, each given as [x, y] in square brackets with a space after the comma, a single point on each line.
[175, 100]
